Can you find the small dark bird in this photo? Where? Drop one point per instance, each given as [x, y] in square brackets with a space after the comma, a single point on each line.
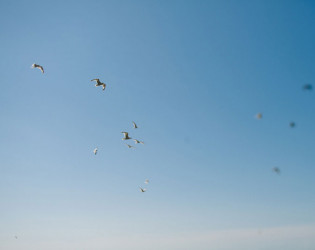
[34, 65]
[99, 83]
[276, 170]
[292, 124]
[137, 141]
[307, 87]
[142, 189]
[134, 125]
[129, 146]
[126, 136]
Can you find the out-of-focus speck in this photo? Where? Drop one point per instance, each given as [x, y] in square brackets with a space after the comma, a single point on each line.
[259, 116]
[292, 124]
[276, 170]
[307, 87]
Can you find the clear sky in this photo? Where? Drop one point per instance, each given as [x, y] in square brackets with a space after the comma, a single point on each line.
[192, 75]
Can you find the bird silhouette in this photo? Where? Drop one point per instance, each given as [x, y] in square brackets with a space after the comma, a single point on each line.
[34, 65]
[99, 83]
[126, 136]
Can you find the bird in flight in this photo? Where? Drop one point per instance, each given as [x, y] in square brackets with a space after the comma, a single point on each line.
[137, 141]
[34, 65]
[99, 83]
[126, 136]
[129, 146]
[307, 87]
[146, 181]
[292, 124]
[134, 125]
[15, 237]
[95, 151]
[276, 170]
[142, 189]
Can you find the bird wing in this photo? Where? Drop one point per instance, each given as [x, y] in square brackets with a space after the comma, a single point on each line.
[134, 125]
[97, 80]
[41, 68]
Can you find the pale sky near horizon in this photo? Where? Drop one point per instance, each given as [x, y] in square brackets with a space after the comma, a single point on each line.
[192, 75]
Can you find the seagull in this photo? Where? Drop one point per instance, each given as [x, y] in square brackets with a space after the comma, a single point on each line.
[292, 124]
[95, 151]
[34, 65]
[276, 170]
[307, 87]
[129, 146]
[134, 125]
[146, 181]
[126, 137]
[259, 116]
[142, 189]
[99, 83]
[137, 141]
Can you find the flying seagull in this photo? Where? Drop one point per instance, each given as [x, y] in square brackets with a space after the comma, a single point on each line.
[307, 87]
[126, 137]
[146, 181]
[259, 116]
[292, 124]
[99, 83]
[137, 141]
[129, 146]
[142, 189]
[134, 125]
[95, 151]
[276, 170]
[34, 65]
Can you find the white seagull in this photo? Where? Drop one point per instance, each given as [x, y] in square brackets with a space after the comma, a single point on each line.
[34, 65]
[137, 141]
[142, 189]
[95, 151]
[134, 125]
[146, 181]
[99, 83]
[126, 137]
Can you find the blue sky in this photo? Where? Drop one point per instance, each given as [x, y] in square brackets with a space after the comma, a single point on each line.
[192, 75]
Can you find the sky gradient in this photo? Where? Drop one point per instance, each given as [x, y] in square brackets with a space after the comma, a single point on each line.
[192, 75]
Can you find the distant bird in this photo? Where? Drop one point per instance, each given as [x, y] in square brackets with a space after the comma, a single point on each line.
[137, 141]
[15, 237]
[276, 170]
[146, 181]
[259, 116]
[129, 146]
[126, 136]
[307, 87]
[292, 124]
[99, 83]
[142, 189]
[34, 65]
[95, 151]
[134, 125]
